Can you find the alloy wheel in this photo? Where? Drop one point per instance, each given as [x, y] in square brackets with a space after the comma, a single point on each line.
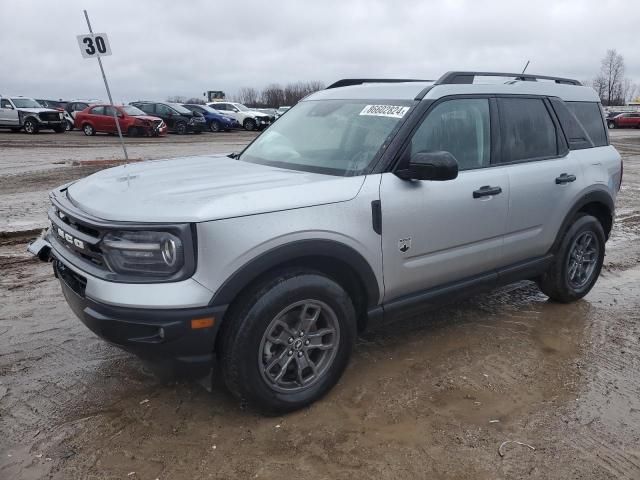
[583, 260]
[299, 346]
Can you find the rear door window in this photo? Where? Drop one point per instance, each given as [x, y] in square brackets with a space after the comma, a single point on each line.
[590, 116]
[528, 132]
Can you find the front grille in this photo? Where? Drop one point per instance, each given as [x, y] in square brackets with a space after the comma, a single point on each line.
[49, 116]
[77, 237]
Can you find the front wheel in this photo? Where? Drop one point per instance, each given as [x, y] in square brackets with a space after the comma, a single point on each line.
[181, 128]
[249, 124]
[577, 264]
[31, 126]
[288, 341]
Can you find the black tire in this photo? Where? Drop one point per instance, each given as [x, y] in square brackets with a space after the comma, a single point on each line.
[611, 125]
[557, 283]
[60, 129]
[68, 126]
[31, 126]
[181, 128]
[252, 316]
[215, 126]
[88, 130]
[133, 132]
[249, 124]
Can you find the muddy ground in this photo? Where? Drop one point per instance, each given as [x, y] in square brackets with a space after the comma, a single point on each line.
[434, 397]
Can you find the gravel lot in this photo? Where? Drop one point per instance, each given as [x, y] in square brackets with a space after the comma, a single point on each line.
[433, 397]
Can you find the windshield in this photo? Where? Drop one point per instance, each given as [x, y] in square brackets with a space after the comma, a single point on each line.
[179, 108]
[336, 137]
[240, 107]
[25, 103]
[133, 111]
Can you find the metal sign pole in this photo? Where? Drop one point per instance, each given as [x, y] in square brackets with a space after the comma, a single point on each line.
[106, 84]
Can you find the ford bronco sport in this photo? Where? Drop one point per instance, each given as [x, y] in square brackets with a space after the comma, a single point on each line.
[369, 199]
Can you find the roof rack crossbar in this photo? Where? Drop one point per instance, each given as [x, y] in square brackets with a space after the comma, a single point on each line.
[345, 82]
[468, 77]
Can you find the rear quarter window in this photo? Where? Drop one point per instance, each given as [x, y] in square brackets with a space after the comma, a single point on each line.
[590, 117]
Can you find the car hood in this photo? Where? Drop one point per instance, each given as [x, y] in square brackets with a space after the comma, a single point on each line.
[149, 118]
[197, 189]
[38, 110]
[256, 114]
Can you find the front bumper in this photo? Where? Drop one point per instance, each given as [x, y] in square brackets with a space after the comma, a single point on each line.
[52, 123]
[155, 334]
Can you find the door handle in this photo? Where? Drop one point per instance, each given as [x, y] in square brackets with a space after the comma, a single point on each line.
[565, 178]
[486, 191]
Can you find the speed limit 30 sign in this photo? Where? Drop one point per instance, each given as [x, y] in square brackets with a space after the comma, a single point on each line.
[94, 45]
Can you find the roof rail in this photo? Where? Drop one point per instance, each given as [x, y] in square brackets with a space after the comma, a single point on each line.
[468, 77]
[345, 82]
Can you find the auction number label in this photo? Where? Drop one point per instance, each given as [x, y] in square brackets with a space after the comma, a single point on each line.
[94, 45]
[394, 111]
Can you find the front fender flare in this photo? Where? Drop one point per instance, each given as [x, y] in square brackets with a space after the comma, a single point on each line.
[296, 250]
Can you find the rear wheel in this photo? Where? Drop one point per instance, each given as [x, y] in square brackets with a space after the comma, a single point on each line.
[88, 130]
[31, 126]
[214, 126]
[288, 341]
[611, 125]
[578, 262]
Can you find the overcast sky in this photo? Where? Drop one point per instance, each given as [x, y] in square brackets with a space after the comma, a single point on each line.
[163, 48]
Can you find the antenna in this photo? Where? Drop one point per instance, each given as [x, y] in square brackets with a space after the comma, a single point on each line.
[525, 67]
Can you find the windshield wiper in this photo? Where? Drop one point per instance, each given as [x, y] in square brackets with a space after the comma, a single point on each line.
[234, 155]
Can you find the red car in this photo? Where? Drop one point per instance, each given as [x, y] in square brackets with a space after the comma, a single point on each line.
[624, 120]
[133, 121]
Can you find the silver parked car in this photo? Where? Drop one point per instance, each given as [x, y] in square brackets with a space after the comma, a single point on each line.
[369, 199]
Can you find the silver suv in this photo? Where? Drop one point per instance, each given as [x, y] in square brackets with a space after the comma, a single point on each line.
[369, 199]
[19, 113]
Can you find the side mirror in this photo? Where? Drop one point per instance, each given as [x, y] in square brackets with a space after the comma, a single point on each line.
[437, 166]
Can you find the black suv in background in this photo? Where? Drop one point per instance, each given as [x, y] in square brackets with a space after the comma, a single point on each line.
[179, 120]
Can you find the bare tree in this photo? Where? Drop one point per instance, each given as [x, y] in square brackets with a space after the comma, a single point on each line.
[247, 95]
[177, 99]
[610, 81]
[195, 100]
[274, 95]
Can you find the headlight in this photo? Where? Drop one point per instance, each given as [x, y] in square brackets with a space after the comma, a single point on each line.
[61, 116]
[148, 253]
